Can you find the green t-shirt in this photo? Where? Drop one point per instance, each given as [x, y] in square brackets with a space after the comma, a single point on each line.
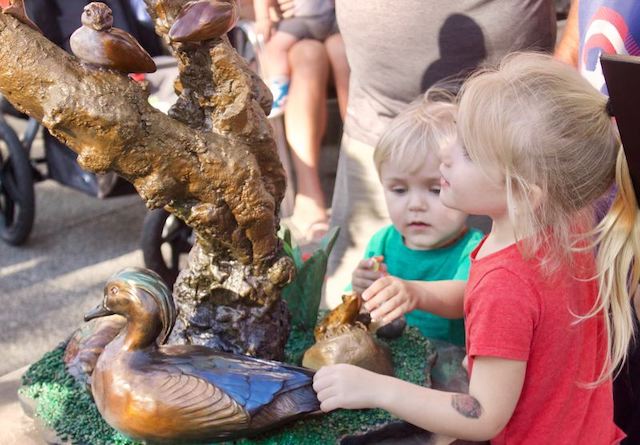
[448, 263]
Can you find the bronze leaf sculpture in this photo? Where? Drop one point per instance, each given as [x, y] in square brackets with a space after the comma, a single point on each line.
[177, 393]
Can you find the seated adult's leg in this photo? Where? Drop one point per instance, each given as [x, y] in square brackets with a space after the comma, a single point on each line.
[305, 121]
[276, 70]
[341, 71]
[275, 58]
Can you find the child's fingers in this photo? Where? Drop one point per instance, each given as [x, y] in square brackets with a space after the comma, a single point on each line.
[367, 274]
[375, 288]
[364, 264]
[372, 264]
[394, 314]
[382, 312]
[320, 380]
[360, 284]
[379, 299]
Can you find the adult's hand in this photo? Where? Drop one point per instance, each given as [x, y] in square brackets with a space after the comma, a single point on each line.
[264, 28]
[286, 8]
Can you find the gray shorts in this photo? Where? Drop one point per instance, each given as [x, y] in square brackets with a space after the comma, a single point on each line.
[317, 27]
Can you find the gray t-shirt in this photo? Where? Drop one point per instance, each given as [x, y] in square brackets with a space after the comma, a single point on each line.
[398, 48]
[308, 8]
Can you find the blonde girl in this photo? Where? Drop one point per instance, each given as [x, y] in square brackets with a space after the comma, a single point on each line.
[546, 322]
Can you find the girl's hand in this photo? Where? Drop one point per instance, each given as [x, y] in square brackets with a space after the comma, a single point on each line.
[346, 386]
[388, 298]
[368, 271]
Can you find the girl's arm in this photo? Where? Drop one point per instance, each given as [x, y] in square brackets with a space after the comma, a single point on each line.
[389, 297]
[480, 415]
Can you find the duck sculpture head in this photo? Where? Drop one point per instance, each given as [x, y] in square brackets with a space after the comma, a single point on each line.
[97, 16]
[184, 393]
[143, 298]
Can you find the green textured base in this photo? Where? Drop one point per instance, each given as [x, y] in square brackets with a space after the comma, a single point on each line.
[69, 410]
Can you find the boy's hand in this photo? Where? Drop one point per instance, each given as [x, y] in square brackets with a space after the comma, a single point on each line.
[388, 298]
[346, 386]
[367, 272]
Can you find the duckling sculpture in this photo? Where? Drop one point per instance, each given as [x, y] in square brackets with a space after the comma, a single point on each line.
[176, 393]
[204, 20]
[98, 42]
[341, 338]
[15, 8]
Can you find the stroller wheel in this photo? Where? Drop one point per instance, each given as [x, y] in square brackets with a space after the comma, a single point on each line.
[165, 240]
[17, 204]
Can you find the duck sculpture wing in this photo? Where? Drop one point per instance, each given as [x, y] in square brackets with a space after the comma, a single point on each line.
[251, 382]
[115, 49]
[125, 53]
[197, 404]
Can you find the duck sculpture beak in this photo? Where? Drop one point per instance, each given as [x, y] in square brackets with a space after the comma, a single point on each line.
[98, 311]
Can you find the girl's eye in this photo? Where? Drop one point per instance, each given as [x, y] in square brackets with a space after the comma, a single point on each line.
[435, 190]
[398, 190]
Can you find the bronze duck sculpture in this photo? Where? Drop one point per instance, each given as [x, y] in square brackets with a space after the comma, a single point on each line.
[97, 42]
[202, 20]
[175, 393]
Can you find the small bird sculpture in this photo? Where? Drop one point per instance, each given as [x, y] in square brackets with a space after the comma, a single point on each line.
[176, 393]
[99, 43]
[15, 8]
[203, 20]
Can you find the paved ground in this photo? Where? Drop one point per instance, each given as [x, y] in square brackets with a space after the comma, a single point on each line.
[47, 284]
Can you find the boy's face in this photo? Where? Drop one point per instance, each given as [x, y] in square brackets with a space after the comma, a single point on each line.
[414, 205]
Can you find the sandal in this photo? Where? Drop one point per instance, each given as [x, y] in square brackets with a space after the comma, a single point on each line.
[311, 234]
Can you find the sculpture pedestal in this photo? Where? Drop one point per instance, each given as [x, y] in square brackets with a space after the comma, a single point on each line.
[68, 409]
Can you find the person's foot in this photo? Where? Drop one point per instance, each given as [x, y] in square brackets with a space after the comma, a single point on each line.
[279, 90]
[310, 221]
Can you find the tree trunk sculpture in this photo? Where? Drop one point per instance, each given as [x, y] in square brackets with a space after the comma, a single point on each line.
[212, 162]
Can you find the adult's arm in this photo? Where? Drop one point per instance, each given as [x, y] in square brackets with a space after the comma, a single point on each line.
[567, 49]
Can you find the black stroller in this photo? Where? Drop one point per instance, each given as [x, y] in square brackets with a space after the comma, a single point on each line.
[19, 170]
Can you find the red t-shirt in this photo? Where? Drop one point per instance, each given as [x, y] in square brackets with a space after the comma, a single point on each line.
[514, 311]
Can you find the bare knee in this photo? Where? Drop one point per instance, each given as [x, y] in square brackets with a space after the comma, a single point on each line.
[308, 57]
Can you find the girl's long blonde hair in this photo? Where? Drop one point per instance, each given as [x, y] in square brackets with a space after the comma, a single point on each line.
[548, 130]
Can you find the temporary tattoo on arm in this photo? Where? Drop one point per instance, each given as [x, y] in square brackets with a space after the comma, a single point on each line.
[466, 405]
